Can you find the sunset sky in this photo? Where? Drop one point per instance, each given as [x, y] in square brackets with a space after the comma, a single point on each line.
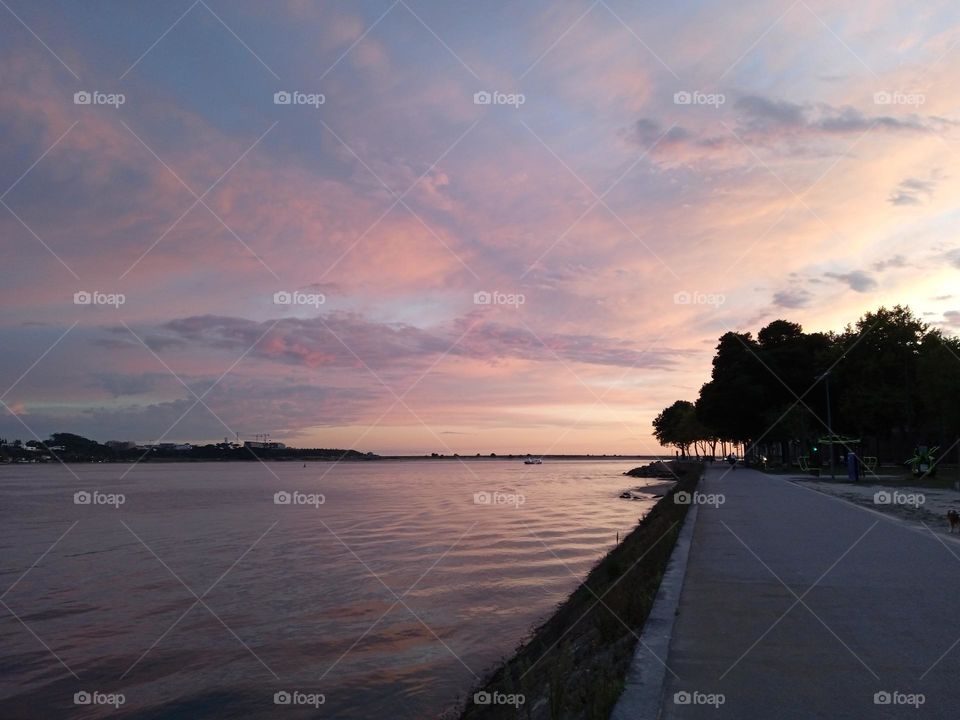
[812, 176]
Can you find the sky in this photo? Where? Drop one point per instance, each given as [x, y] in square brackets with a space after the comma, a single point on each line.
[413, 227]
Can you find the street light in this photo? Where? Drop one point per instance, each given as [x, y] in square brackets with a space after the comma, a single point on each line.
[826, 376]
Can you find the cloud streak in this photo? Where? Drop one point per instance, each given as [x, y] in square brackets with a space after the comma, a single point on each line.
[349, 340]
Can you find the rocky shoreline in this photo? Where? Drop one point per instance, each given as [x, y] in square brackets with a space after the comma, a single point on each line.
[668, 473]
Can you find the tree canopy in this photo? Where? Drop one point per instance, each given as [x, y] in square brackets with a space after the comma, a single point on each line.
[893, 381]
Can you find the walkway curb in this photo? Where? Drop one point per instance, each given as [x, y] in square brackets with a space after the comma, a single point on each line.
[644, 685]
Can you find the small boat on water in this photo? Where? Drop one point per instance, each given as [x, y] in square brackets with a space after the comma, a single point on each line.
[533, 461]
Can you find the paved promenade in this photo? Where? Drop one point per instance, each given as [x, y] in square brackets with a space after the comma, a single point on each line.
[799, 605]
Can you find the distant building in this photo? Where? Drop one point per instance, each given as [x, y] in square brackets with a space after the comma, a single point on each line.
[173, 446]
[256, 445]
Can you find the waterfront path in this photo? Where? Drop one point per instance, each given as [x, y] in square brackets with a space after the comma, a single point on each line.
[799, 605]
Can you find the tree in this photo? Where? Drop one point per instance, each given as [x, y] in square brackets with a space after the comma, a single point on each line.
[677, 426]
[730, 402]
[793, 361]
[891, 376]
[938, 386]
[877, 376]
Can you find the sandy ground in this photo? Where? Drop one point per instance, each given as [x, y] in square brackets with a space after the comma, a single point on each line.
[910, 502]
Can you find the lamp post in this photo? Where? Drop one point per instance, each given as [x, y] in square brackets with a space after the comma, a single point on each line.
[826, 377]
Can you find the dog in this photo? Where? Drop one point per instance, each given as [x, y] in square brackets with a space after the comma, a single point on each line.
[953, 517]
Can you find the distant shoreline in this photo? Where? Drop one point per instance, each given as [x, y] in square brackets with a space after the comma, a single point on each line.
[333, 459]
[66, 447]
[517, 457]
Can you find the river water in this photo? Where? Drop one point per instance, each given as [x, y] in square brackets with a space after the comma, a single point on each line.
[384, 589]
